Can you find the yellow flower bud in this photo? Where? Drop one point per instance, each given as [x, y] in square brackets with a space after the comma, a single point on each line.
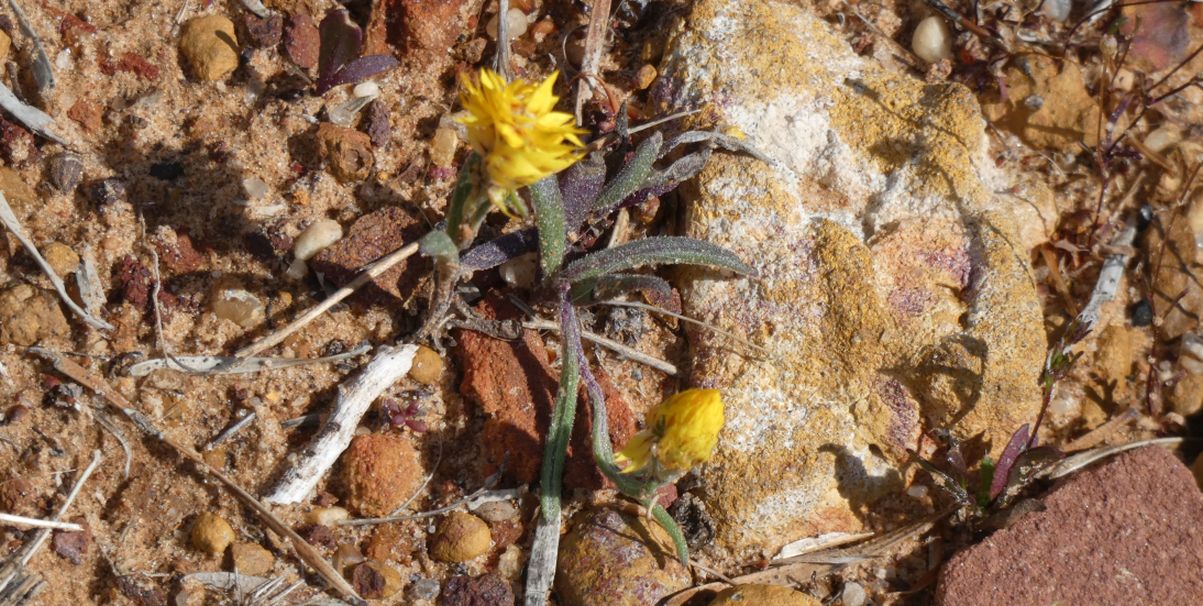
[681, 433]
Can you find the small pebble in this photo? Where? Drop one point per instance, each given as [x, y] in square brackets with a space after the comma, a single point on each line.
[1141, 313]
[460, 537]
[521, 271]
[318, 235]
[917, 491]
[376, 580]
[427, 367]
[61, 258]
[251, 558]
[318, 535]
[442, 147]
[210, 47]
[348, 152]
[379, 472]
[645, 76]
[376, 124]
[511, 563]
[264, 32]
[517, 24]
[254, 187]
[497, 511]
[852, 595]
[424, 589]
[932, 41]
[346, 556]
[484, 590]
[366, 89]
[302, 40]
[211, 534]
[65, 170]
[238, 306]
[326, 516]
[1163, 138]
[72, 545]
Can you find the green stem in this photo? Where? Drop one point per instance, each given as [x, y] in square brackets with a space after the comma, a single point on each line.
[674, 531]
[562, 418]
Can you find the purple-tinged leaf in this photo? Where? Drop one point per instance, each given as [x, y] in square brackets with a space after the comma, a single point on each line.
[356, 71]
[665, 250]
[342, 41]
[1015, 447]
[499, 250]
[580, 184]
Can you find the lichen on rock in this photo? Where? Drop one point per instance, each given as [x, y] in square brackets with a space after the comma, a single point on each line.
[894, 290]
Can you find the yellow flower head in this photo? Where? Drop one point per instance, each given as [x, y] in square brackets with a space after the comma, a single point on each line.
[512, 126]
[681, 433]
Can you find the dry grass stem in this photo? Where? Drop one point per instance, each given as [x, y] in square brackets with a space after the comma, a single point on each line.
[15, 520]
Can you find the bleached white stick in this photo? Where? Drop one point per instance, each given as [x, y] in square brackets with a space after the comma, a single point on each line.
[15, 520]
[1109, 276]
[386, 367]
[9, 219]
[35, 119]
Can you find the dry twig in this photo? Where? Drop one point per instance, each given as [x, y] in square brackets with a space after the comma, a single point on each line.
[370, 272]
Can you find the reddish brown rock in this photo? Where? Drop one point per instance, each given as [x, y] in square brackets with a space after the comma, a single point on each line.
[179, 256]
[379, 471]
[263, 32]
[1129, 531]
[432, 25]
[72, 545]
[301, 40]
[513, 385]
[484, 590]
[87, 114]
[348, 152]
[372, 236]
[17, 495]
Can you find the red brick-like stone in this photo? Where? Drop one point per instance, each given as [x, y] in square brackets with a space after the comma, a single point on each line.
[513, 386]
[1128, 531]
[432, 25]
[302, 40]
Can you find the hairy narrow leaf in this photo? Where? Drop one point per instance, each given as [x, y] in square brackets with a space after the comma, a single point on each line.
[549, 217]
[608, 287]
[499, 250]
[667, 250]
[713, 139]
[632, 176]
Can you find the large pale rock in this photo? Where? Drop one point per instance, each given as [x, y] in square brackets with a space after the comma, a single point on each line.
[894, 291]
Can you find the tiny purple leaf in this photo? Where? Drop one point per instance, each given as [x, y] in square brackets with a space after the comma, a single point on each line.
[1015, 447]
[357, 70]
[341, 42]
